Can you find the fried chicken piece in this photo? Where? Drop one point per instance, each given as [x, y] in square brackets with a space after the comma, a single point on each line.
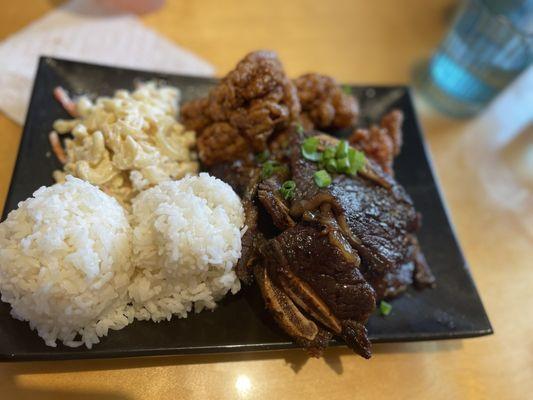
[256, 99]
[257, 123]
[220, 142]
[324, 103]
[381, 143]
[392, 122]
[376, 144]
[192, 113]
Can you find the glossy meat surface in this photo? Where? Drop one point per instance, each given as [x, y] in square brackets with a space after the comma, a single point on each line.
[375, 215]
[308, 252]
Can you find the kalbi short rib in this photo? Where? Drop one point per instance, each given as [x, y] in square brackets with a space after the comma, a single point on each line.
[270, 197]
[345, 247]
[375, 215]
[335, 251]
[320, 275]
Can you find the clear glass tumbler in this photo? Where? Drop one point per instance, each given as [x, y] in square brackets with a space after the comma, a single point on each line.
[488, 45]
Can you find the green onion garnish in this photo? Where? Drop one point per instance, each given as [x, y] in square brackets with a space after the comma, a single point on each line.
[287, 189]
[357, 161]
[322, 178]
[315, 156]
[299, 128]
[331, 165]
[342, 149]
[310, 149]
[263, 156]
[343, 165]
[328, 153]
[385, 308]
[339, 159]
[346, 89]
[273, 167]
[310, 144]
[268, 169]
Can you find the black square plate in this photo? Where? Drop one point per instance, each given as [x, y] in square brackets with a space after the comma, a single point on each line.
[240, 323]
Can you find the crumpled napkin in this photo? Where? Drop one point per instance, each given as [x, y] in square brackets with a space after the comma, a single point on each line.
[81, 30]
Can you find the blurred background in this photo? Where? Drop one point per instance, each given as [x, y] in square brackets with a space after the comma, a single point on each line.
[348, 39]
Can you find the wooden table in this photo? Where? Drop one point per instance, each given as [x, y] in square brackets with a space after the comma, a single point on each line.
[356, 41]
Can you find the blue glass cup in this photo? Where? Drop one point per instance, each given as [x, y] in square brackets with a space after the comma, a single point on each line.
[488, 45]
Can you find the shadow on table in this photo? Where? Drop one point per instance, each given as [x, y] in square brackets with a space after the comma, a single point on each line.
[11, 390]
[295, 359]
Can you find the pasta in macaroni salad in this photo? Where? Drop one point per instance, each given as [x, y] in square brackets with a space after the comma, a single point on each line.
[125, 143]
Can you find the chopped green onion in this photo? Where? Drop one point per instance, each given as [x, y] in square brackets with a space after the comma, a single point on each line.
[263, 156]
[343, 165]
[357, 161]
[287, 189]
[322, 178]
[328, 153]
[342, 149]
[385, 308]
[314, 156]
[310, 144]
[299, 128]
[268, 169]
[346, 89]
[331, 165]
[310, 149]
[272, 167]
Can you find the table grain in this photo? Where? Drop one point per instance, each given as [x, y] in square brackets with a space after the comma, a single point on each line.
[357, 42]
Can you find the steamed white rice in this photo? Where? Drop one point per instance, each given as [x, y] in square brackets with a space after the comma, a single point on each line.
[71, 264]
[65, 263]
[186, 241]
